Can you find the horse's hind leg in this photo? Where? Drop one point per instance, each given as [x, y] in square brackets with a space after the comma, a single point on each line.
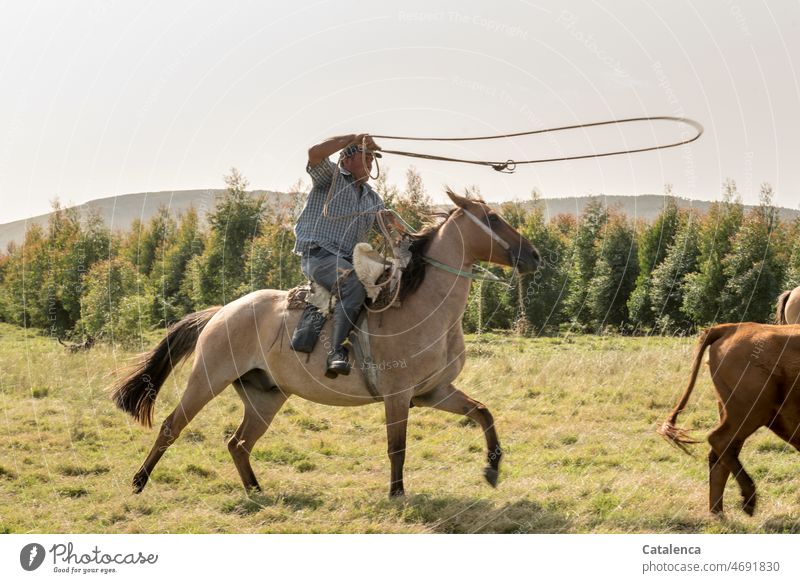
[717, 478]
[718, 474]
[452, 400]
[200, 389]
[261, 401]
[727, 441]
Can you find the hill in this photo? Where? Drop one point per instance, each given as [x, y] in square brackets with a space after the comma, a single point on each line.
[119, 212]
[643, 206]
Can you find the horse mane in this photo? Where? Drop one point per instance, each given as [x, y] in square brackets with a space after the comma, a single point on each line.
[414, 273]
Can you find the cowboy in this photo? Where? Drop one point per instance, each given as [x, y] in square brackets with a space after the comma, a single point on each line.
[339, 213]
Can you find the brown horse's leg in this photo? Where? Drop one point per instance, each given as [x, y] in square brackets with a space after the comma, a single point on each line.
[199, 391]
[397, 407]
[718, 475]
[717, 478]
[727, 442]
[261, 404]
[454, 401]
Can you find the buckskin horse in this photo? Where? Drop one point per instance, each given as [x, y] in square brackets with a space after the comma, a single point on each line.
[755, 369]
[246, 343]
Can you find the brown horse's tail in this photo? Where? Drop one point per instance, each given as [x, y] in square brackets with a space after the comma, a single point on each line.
[780, 307]
[136, 394]
[668, 430]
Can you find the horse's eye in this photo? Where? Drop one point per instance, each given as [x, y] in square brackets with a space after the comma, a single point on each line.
[493, 218]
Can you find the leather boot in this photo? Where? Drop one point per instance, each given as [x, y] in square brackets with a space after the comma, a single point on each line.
[338, 363]
[351, 296]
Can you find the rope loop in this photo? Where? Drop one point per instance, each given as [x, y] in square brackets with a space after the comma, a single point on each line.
[509, 166]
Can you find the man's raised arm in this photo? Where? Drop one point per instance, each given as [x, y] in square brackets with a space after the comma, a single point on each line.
[333, 145]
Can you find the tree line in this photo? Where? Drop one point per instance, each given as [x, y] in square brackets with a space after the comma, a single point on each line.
[600, 272]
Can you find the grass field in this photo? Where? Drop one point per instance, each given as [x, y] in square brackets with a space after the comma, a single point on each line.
[576, 417]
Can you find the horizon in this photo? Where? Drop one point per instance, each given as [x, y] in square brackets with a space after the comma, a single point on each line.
[69, 205]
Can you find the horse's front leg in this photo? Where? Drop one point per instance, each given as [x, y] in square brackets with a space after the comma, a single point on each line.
[396, 424]
[452, 400]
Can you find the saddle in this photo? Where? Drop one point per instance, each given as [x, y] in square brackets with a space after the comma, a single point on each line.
[379, 275]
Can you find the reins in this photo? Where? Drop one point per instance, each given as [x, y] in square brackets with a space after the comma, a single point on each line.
[510, 165]
[486, 276]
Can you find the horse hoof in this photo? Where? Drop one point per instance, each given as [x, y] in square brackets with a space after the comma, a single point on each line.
[491, 475]
[397, 493]
[139, 482]
[749, 506]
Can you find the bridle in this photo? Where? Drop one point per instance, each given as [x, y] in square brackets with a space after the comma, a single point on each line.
[487, 275]
[488, 230]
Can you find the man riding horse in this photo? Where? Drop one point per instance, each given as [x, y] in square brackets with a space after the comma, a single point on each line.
[339, 213]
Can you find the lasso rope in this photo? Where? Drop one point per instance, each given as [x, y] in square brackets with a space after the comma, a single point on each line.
[510, 165]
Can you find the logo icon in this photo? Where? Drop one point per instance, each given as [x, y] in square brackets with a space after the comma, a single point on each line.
[31, 556]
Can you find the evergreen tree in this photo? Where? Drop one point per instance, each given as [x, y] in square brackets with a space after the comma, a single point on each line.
[751, 269]
[117, 302]
[583, 260]
[542, 293]
[169, 271]
[704, 288]
[86, 245]
[791, 278]
[234, 222]
[388, 192]
[614, 274]
[154, 240]
[413, 204]
[653, 243]
[28, 278]
[668, 279]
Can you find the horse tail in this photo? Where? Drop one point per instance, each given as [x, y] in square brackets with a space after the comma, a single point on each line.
[780, 307]
[668, 430]
[136, 394]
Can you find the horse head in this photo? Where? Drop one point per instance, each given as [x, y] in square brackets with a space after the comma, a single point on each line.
[488, 237]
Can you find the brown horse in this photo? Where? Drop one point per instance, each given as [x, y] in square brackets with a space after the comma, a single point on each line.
[755, 369]
[246, 343]
[787, 311]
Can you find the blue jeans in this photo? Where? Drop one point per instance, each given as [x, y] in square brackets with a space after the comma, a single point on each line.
[325, 269]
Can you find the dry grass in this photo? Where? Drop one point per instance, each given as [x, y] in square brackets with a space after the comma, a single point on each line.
[577, 418]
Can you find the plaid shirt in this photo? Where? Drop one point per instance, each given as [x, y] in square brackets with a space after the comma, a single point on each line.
[339, 236]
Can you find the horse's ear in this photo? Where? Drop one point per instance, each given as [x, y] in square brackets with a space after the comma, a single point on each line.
[459, 201]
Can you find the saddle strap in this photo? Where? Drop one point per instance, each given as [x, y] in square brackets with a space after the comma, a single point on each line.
[363, 354]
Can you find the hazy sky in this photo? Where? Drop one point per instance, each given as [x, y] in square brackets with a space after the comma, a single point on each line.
[103, 98]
